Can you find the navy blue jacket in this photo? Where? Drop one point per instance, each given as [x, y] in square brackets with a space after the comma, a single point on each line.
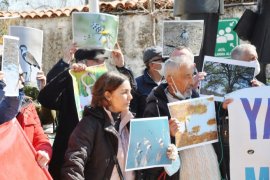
[9, 106]
[145, 84]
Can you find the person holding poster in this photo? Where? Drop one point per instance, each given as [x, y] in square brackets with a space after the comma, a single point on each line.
[243, 52]
[97, 146]
[25, 112]
[154, 74]
[196, 163]
[9, 106]
[248, 53]
[58, 95]
[198, 76]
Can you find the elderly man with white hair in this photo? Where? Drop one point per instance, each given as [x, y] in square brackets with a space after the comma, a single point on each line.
[182, 50]
[248, 53]
[196, 163]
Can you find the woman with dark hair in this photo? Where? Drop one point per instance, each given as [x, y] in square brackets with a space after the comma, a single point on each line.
[97, 147]
[58, 95]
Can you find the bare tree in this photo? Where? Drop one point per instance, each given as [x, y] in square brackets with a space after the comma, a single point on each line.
[224, 78]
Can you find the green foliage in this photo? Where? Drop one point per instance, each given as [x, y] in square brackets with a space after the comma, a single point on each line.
[31, 92]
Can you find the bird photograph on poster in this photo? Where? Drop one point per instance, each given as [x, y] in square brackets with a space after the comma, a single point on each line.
[148, 142]
[188, 33]
[95, 30]
[30, 51]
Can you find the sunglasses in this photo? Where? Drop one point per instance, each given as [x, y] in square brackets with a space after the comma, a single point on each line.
[160, 59]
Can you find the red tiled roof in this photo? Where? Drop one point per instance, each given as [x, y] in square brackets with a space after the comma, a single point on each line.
[114, 6]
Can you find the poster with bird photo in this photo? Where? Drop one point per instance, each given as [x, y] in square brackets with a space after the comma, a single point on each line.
[30, 51]
[148, 142]
[95, 30]
[82, 84]
[197, 118]
[188, 33]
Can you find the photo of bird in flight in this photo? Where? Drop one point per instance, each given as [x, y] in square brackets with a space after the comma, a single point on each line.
[29, 59]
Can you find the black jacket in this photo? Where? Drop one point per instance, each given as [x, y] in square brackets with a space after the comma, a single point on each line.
[157, 106]
[91, 148]
[58, 95]
[145, 84]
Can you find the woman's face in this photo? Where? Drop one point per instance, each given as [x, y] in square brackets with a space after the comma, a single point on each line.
[120, 98]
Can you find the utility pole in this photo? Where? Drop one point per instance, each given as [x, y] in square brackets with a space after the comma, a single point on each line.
[93, 6]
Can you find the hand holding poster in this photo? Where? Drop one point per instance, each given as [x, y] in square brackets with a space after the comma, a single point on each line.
[148, 142]
[249, 133]
[30, 49]
[182, 33]
[95, 30]
[225, 76]
[83, 83]
[10, 65]
[198, 119]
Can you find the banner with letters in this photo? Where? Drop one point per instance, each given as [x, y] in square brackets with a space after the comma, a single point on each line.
[249, 133]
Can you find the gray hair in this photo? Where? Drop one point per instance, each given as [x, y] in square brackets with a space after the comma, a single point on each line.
[239, 51]
[179, 48]
[172, 66]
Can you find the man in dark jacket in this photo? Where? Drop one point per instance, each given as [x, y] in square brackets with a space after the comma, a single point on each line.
[179, 76]
[152, 77]
[58, 94]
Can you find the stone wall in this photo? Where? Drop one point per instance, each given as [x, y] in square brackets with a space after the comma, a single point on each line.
[135, 34]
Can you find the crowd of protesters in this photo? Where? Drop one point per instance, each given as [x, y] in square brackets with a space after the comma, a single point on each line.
[95, 147]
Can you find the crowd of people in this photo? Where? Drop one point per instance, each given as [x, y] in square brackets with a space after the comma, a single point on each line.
[95, 147]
